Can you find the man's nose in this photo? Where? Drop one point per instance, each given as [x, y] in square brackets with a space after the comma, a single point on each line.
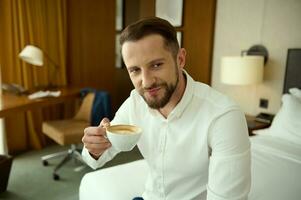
[147, 79]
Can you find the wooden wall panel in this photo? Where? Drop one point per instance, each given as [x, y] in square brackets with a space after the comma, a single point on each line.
[198, 35]
[147, 8]
[91, 44]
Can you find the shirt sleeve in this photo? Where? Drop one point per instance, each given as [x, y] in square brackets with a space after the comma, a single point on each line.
[230, 162]
[103, 159]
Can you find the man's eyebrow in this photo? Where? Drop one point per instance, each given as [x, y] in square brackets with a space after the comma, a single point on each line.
[132, 68]
[152, 62]
[156, 61]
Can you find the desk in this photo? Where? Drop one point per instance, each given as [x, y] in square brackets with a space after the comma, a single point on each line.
[10, 104]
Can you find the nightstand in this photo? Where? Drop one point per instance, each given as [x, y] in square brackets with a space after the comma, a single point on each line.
[255, 125]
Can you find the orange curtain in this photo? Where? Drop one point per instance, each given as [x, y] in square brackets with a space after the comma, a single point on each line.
[41, 23]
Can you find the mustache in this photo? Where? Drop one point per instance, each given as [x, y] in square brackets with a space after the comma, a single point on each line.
[155, 85]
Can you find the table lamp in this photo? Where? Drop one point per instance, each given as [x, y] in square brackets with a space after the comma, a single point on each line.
[34, 55]
[245, 69]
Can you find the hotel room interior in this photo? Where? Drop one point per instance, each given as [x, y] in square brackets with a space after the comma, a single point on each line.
[74, 44]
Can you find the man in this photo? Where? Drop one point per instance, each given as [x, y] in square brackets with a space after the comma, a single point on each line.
[194, 139]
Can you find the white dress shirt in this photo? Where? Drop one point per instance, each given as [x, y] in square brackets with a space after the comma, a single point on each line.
[200, 151]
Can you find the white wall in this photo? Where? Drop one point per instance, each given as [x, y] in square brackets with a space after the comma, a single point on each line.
[242, 23]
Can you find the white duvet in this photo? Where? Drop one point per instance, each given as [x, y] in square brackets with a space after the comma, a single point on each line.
[276, 169]
[276, 174]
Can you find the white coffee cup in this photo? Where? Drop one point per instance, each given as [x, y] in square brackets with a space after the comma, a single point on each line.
[123, 137]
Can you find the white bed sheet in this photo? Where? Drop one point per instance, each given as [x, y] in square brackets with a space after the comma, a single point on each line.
[276, 169]
[276, 174]
[121, 182]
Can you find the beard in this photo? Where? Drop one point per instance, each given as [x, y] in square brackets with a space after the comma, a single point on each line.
[168, 90]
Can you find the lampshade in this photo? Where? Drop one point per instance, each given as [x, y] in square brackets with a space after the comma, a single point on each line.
[32, 55]
[242, 70]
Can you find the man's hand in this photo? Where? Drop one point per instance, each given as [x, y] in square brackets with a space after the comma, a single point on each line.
[95, 139]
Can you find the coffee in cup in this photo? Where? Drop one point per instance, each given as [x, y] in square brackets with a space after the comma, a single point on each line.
[123, 137]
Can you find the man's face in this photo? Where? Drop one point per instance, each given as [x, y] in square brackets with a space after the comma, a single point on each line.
[152, 69]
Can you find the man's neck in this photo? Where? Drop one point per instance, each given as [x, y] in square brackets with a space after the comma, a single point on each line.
[176, 96]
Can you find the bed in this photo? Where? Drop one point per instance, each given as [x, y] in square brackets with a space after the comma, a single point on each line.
[276, 155]
[276, 174]
[276, 151]
[276, 168]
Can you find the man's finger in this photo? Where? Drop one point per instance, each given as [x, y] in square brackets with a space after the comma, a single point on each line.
[105, 122]
[94, 139]
[98, 147]
[94, 130]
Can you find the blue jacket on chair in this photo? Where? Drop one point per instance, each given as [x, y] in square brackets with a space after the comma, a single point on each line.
[101, 105]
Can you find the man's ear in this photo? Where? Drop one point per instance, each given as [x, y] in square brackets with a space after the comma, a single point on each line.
[181, 58]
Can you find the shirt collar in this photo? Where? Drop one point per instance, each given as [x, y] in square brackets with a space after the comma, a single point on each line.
[187, 96]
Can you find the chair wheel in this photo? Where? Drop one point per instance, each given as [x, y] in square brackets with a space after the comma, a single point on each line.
[45, 163]
[56, 177]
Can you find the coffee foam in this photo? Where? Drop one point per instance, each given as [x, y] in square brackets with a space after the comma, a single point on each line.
[123, 129]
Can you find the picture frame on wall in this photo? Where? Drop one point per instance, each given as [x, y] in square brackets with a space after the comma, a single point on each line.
[119, 15]
[118, 57]
[170, 10]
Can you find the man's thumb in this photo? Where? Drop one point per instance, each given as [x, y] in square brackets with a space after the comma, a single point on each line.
[105, 122]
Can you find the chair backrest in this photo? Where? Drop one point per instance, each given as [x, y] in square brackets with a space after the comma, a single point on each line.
[101, 107]
[84, 112]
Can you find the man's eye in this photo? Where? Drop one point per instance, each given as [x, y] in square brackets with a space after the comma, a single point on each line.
[157, 65]
[134, 70]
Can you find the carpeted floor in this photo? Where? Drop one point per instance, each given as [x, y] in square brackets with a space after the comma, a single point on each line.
[30, 180]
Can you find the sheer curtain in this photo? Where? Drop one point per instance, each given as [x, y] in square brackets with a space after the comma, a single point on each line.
[41, 23]
[3, 146]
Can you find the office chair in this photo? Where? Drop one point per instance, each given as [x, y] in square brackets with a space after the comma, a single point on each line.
[69, 132]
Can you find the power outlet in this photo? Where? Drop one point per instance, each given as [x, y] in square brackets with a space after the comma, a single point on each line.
[263, 103]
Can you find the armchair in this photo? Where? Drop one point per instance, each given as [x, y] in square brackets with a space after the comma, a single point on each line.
[95, 106]
[68, 132]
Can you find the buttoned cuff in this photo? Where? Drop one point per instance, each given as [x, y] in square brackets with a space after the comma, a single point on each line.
[108, 155]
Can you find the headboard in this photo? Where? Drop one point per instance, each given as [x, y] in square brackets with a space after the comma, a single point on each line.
[293, 70]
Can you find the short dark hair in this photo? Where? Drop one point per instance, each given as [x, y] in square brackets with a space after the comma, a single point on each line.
[149, 26]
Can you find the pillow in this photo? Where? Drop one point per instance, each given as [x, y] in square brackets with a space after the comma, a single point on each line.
[287, 122]
[295, 92]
